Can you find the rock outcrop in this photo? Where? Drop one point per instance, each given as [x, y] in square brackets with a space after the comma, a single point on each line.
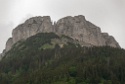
[84, 31]
[31, 27]
[78, 28]
[9, 44]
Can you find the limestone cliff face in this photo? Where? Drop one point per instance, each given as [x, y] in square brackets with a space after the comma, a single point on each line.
[86, 33]
[110, 41]
[31, 27]
[9, 44]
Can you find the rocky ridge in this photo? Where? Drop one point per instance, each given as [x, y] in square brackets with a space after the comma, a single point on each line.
[77, 27]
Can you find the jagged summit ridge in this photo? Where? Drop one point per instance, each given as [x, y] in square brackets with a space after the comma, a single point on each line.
[76, 27]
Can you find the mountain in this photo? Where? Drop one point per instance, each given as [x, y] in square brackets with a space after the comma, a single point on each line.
[69, 51]
[77, 28]
[47, 58]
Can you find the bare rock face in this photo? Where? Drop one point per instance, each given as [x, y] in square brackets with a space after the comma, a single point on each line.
[9, 44]
[86, 33]
[110, 41]
[31, 27]
[75, 27]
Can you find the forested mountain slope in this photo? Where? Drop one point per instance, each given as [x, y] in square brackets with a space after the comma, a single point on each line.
[47, 58]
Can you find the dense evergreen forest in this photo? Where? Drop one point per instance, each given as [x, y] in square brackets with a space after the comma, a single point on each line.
[39, 61]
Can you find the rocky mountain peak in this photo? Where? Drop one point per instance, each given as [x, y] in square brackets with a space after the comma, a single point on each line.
[31, 27]
[77, 27]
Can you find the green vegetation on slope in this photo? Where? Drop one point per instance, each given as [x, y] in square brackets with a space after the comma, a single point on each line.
[35, 61]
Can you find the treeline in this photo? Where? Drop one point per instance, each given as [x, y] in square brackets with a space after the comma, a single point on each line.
[28, 63]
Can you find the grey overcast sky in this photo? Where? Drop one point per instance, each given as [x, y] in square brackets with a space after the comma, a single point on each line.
[109, 15]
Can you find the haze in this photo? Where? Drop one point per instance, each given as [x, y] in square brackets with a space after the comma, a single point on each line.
[109, 15]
